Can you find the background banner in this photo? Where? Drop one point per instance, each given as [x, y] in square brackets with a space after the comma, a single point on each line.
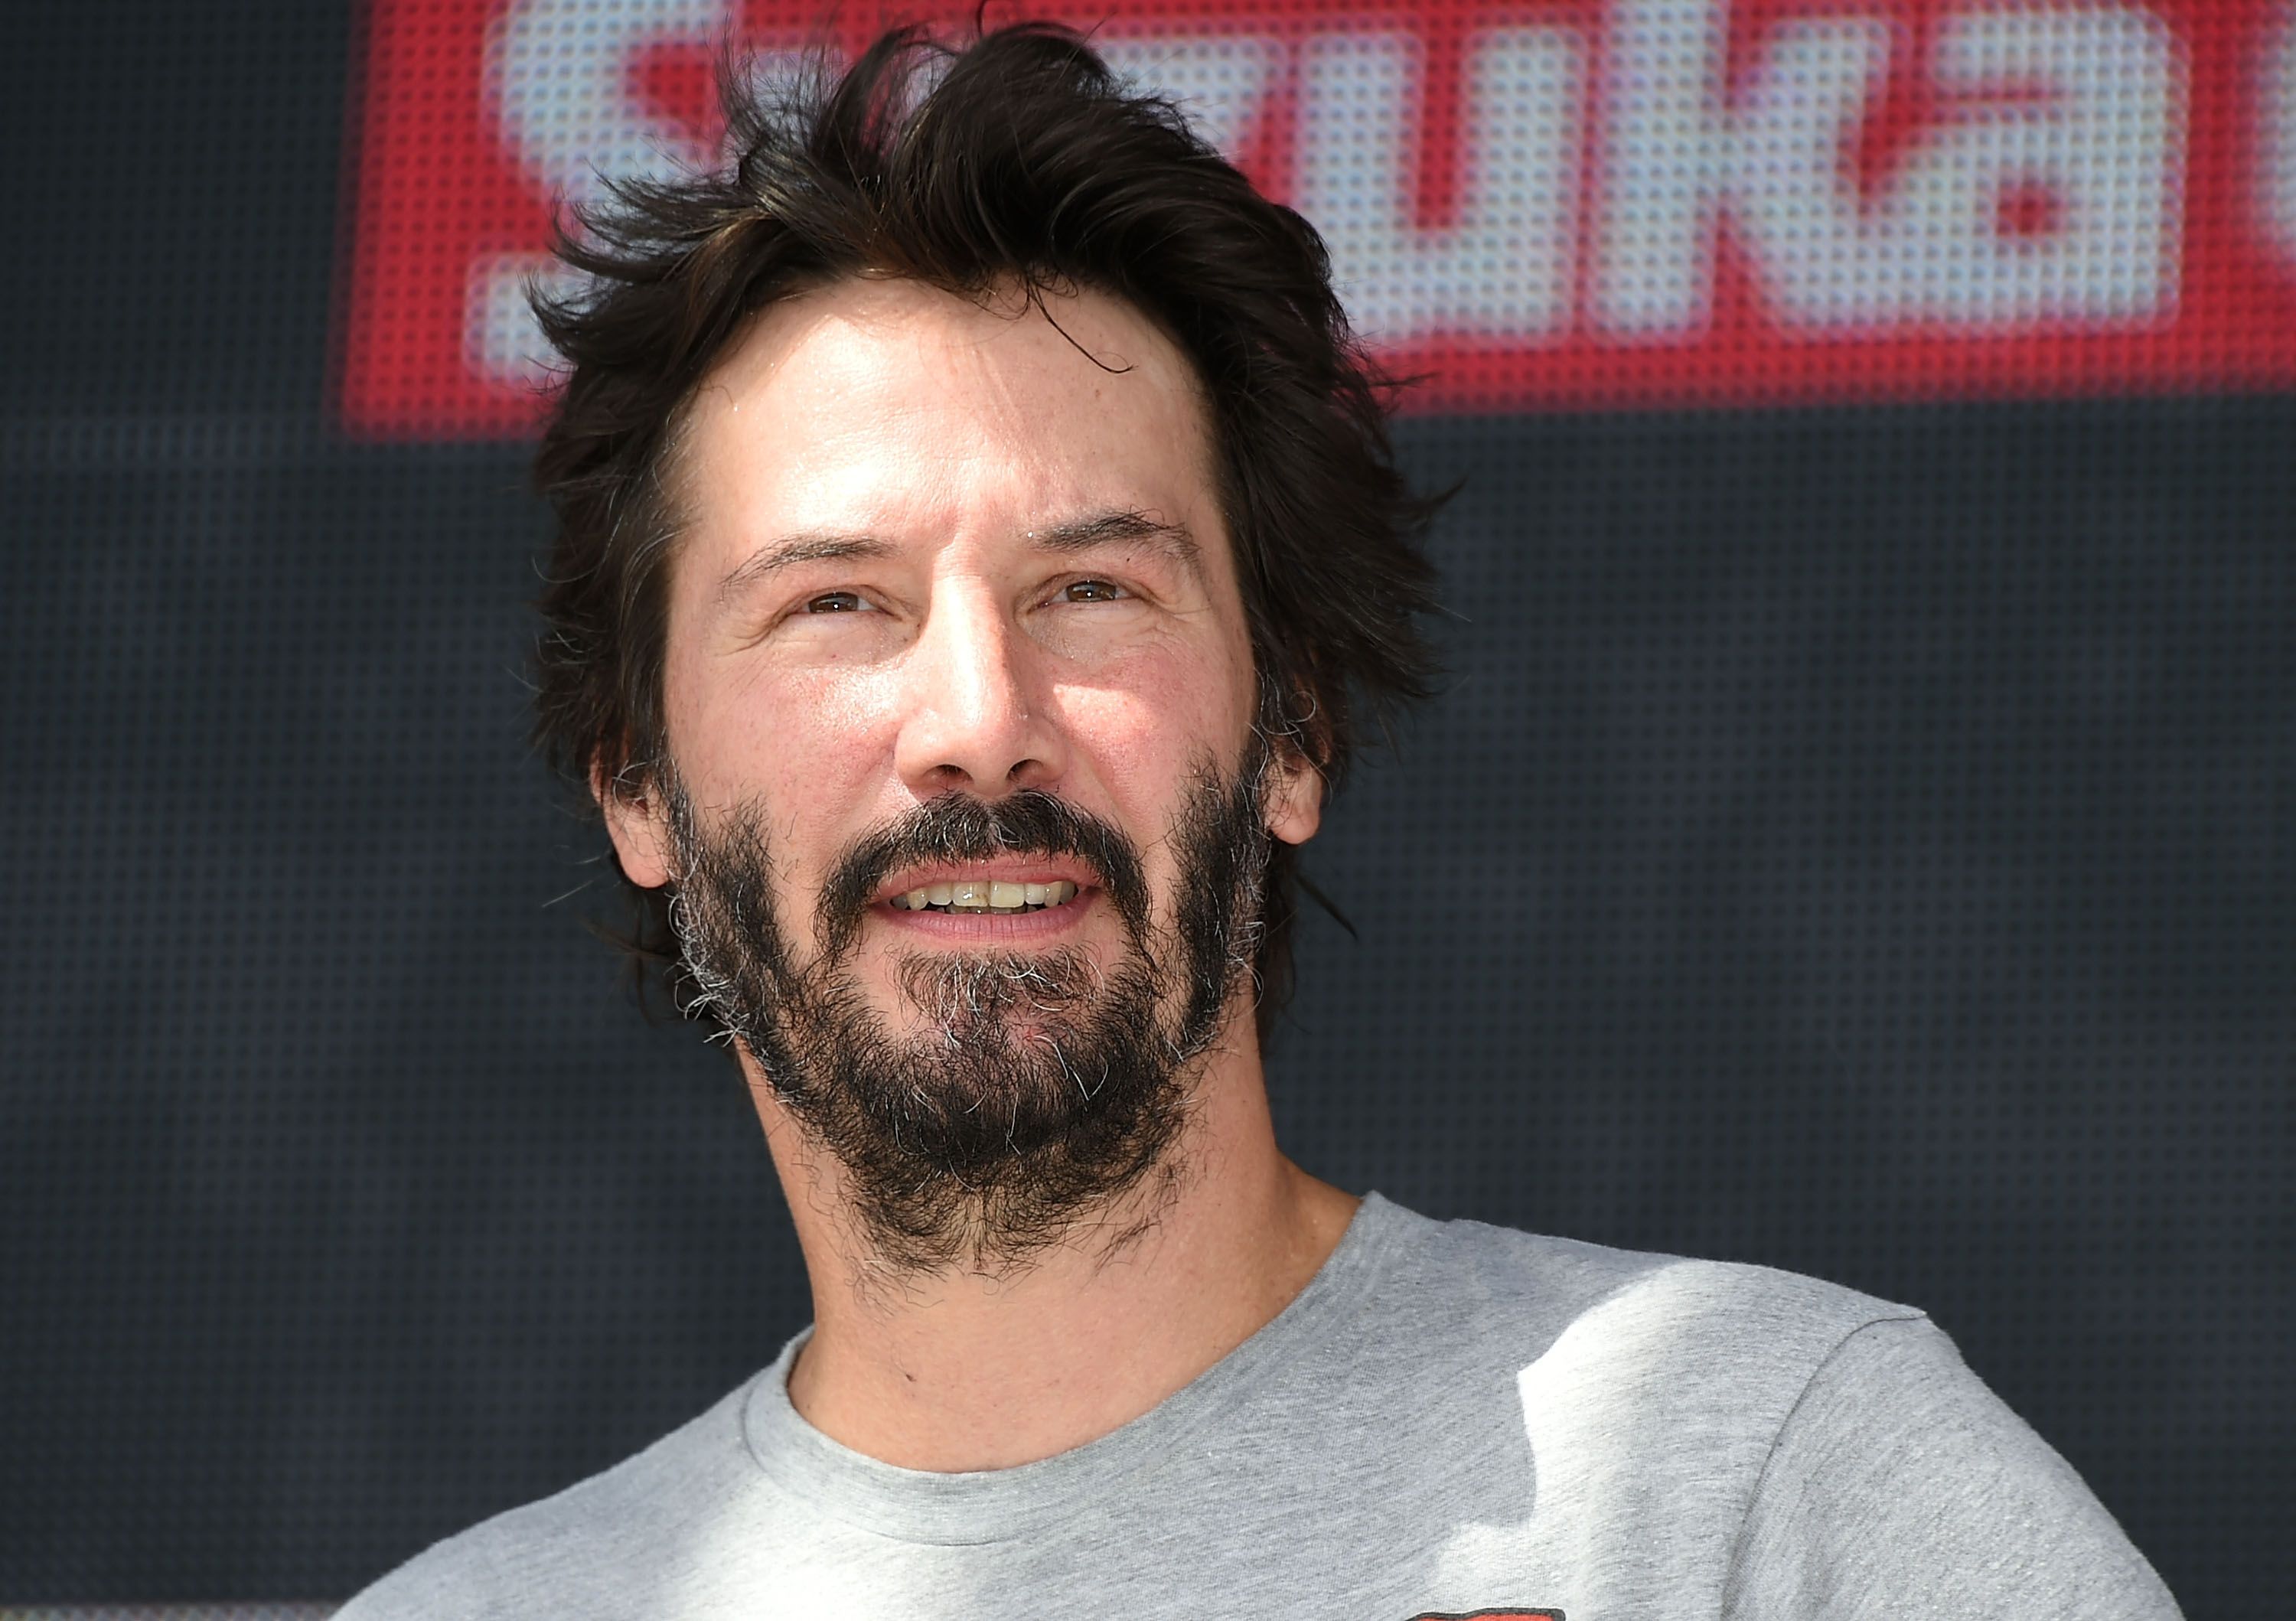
[1583, 202]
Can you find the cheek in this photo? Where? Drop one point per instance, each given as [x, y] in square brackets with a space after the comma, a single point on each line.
[1146, 743]
[1190, 678]
[801, 745]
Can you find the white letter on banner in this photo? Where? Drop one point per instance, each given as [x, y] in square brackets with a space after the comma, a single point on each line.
[2098, 136]
[1663, 167]
[558, 76]
[1221, 81]
[1785, 173]
[1675, 153]
[2276, 167]
[1504, 268]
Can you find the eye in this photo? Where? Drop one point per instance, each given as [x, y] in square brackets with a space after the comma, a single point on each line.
[838, 601]
[1093, 591]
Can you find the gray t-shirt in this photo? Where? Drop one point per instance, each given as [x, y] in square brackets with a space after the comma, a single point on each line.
[1450, 1419]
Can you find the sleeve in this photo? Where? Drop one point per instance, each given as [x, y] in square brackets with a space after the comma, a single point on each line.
[1900, 1486]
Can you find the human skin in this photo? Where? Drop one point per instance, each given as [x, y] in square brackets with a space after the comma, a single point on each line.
[936, 546]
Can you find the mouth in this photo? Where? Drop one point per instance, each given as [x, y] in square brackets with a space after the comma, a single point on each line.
[985, 896]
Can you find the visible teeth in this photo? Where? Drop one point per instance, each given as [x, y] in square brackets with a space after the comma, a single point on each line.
[973, 895]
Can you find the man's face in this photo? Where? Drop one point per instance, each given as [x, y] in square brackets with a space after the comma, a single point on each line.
[964, 807]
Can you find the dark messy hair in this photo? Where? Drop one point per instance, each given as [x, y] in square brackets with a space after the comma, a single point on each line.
[1014, 160]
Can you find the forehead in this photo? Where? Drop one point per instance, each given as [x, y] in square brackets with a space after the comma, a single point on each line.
[893, 408]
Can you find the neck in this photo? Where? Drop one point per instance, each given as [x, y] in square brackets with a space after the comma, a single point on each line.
[957, 1370]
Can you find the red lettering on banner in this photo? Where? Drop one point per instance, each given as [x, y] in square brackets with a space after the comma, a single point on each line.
[1535, 203]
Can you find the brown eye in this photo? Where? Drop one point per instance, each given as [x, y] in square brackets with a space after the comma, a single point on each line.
[837, 601]
[1093, 591]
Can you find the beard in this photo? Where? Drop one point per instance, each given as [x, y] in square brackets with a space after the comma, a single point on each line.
[1033, 1087]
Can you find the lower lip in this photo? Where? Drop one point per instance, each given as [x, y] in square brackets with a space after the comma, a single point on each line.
[978, 928]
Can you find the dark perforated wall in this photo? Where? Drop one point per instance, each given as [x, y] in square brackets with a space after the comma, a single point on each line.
[1861, 839]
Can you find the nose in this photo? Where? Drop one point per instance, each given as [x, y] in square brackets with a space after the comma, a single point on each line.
[976, 721]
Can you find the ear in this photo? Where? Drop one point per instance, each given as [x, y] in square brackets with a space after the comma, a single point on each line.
[1295, 795]
[638, 823]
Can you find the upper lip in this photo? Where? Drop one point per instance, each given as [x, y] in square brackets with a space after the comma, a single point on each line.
[1004, 869]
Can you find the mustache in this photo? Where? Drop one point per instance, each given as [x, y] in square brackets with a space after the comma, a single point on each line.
[957, 827]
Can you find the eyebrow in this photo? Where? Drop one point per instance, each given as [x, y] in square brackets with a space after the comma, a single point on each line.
[791, 550]
[1077, 535]
[1112, 528]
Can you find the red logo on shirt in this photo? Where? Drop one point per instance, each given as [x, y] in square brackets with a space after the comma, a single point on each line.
[1490, 1615]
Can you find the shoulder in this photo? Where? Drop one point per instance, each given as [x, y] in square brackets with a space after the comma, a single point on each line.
[1837, 1453]
[585, 1549]
[1900, 1484]
[1576, 1314]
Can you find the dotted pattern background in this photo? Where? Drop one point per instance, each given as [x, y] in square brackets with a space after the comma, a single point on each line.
[173, 1612]
[1863, 842]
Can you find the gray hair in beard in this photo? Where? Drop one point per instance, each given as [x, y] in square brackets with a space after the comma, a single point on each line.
[1040, 1088]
